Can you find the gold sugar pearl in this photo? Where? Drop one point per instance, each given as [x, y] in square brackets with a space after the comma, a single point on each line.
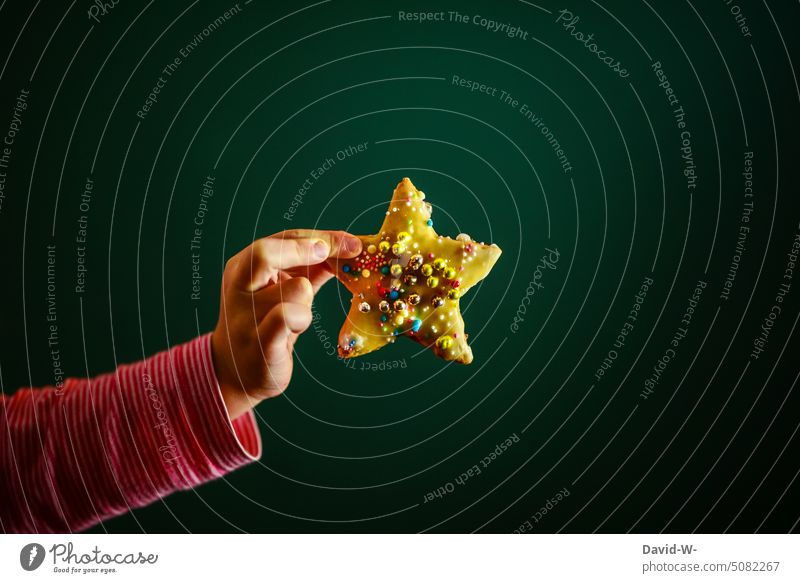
[396, 270]
[426, 269]
[450, 273]
[414, 299]
[433, 281]
[398, 249]
[437, 302]
[371, 249]
[399, 305]
[403, 236]
[453, 294]
[415, 261]
[365, 273]
[384, 246]
[438, 264]
[410, 279]
[444, 342]
[383, 306]
[399, 319]
[364, 307]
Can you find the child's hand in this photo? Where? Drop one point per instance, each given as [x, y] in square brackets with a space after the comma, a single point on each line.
[266, 296]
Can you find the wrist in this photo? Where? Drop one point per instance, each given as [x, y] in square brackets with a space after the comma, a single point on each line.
[236, 399]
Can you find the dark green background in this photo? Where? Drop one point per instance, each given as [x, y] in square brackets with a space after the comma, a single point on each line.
[354, 450]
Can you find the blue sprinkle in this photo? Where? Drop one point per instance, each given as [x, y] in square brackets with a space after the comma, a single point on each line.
[346, 268]
[398, 331]
[384, 317]
[430, 222]
[393, 294]
[415, 326]
[352, 343]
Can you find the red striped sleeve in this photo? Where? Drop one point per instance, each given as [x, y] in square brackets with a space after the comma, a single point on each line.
[99, 447]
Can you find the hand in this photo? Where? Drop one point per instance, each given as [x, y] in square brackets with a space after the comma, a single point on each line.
[266, 295]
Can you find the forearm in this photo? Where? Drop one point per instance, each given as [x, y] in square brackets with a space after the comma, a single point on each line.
[101, 446]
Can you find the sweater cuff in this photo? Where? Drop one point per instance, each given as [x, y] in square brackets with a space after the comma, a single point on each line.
[208, 443]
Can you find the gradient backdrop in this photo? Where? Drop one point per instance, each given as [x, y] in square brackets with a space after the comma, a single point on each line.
[266, 96]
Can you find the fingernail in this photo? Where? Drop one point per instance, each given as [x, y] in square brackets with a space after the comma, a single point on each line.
[320, 249]
[352, 244]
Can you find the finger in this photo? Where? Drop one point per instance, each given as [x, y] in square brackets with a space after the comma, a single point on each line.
[318, 274]
[258, 304]
[278, 326]
[275, 332]
[341, 243]
[296, 290]
[260, 263]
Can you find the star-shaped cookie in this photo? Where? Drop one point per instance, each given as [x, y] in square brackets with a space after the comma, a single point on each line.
[408, 281]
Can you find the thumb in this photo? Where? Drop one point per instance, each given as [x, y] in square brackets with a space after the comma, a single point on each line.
[258, 264]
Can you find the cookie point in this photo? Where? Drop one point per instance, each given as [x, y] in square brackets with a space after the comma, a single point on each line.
[406, 182]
